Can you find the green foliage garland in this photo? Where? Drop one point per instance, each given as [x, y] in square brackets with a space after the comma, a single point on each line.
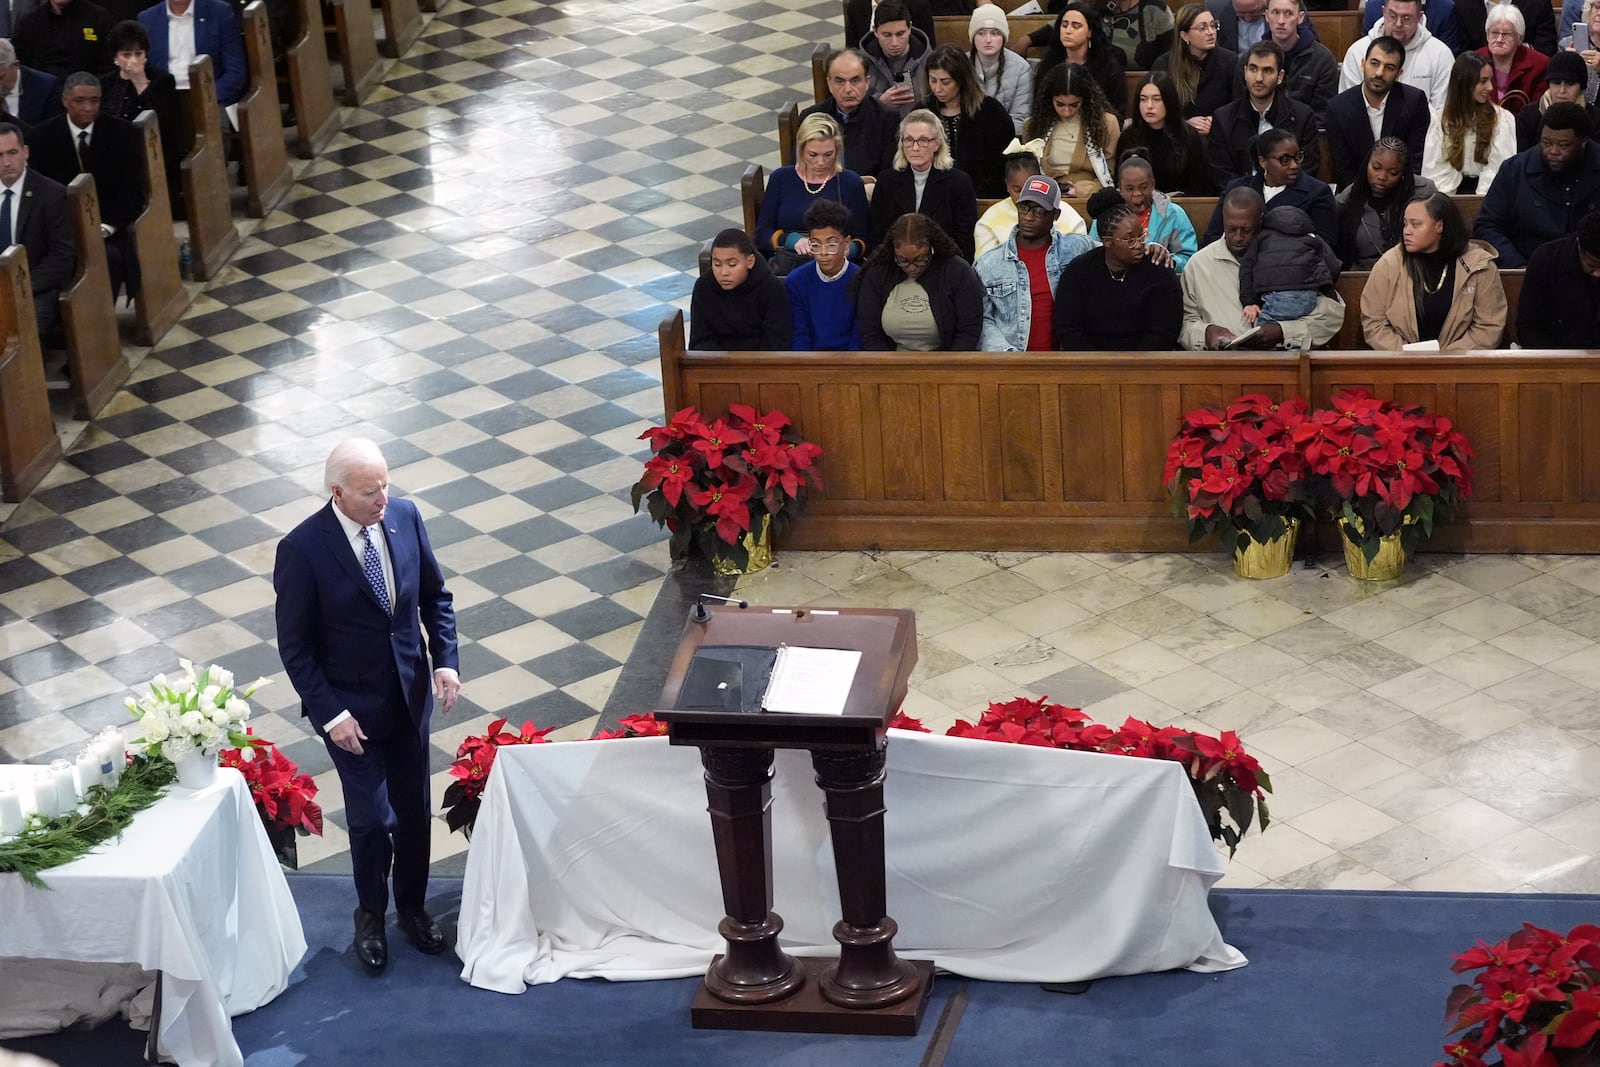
[46, 843]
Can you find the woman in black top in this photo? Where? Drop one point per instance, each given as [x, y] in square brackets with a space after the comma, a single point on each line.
[925, 179]
[1372, 206]
[917, 294]
[976, 126]
[1115, 298]
[1159, 134]
[1206, 76]
[137, 86]
[1080, 37]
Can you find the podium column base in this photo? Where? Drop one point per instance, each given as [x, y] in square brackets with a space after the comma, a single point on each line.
[806, 1011]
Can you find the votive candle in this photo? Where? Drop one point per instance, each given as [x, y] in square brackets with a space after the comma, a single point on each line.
[66, 787]
[10, 809]
[44, 792]
[88, 768]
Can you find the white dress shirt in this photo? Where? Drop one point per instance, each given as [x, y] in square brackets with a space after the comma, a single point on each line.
[16, 203]
[180, 45]
[352, 533]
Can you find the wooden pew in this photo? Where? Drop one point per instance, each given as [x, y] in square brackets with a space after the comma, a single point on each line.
[819, 72]
[311, 83]
[788, 127]
[358, 48]
[402, 24]
[264, 163]
[1338, 30]
[88, 310]
[1064, 451]
[212, 236]
[162, 297]
[29, 446]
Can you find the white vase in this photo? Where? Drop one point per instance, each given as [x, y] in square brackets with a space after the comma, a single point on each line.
[196, 770]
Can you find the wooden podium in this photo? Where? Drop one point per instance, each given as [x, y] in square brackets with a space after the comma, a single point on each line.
[755, 985]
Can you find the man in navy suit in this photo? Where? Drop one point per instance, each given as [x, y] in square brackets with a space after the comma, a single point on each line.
[1382, 98]
[30, 96]
[33, 214]
[358, 587]
[183, 30]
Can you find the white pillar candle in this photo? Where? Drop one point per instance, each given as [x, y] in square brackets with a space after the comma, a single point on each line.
[118, 747]
[87, 767]
[10, 809]
[66, 787]
[44, 792]
[102, 755]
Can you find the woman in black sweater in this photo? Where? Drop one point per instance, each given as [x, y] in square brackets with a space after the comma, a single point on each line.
[1114, 298]
[917, 294]
[1158, 133]
[977, 127]
[739, 305]
[1206, 76]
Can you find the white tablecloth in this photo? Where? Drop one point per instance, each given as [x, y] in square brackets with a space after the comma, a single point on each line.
[191, 889]
[1005, 862]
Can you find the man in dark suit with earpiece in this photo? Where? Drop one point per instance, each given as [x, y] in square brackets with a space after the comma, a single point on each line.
[33, 214]
[358, 589]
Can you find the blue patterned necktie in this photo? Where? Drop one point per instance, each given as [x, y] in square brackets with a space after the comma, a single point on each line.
[372, 566]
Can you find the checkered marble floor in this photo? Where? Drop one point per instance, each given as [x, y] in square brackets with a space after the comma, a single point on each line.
[472, 275]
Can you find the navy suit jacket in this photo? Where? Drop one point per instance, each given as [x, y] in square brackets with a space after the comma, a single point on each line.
[41, 97]
[216, 34]
[339, 647]
[40, 225]
[1405, 116]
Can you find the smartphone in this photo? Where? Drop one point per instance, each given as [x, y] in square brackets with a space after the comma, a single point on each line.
[903, 75]
[1580, 36]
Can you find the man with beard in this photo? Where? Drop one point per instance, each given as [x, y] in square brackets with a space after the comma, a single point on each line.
[1019, 277]
[1541, 194]
[1381, 106]
[1236, 125]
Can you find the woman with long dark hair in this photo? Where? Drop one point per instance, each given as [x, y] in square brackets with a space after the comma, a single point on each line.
[1436, 288]
[1206, 76]
[1159, 134]
[1371, 208]
[917, 294]
[1080, 38]
[1471, 135]
[976, 127]
[1078, 128]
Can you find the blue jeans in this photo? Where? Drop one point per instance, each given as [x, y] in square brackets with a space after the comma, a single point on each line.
[1286, 305]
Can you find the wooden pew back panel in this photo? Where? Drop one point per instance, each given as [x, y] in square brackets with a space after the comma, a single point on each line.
[161, 297]
[311, 83]
[205, 178]
[264, 160]
[28, 442]
[88, 312]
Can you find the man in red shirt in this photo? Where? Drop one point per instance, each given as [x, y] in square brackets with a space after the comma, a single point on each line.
[1019, 277]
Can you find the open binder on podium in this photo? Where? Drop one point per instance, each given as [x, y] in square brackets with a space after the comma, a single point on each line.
[791, 679]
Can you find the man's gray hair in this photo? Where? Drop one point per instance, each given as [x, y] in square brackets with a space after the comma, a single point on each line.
[77, 78]
[8, 53]
[346, 456]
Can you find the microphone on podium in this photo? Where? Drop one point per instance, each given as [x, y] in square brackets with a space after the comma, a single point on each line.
[700, 614]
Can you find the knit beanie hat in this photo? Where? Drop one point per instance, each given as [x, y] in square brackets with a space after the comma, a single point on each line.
[1567, 67]
[988, 17]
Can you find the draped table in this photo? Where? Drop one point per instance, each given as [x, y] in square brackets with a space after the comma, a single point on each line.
[192, 889]
[1005, 862]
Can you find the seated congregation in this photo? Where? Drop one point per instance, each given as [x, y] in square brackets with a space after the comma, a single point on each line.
[1244, 191]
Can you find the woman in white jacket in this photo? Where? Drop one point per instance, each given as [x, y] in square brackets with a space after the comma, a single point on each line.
[1003, 74]
[1470, 136]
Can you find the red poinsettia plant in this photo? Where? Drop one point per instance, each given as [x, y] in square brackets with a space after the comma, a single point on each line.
[1236, 470]
[1535, 1001]
[475, 759]
[711, 483]
[1226, 780]
[1385, 468]
[284, 797]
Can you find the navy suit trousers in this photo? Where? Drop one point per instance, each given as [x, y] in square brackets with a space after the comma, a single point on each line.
[388, 811]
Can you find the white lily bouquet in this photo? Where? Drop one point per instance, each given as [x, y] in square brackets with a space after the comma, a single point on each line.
[199, 711]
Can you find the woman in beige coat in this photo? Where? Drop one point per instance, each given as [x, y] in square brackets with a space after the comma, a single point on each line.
[1435, 287]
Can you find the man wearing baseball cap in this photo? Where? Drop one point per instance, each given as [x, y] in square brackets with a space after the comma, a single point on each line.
[1019, 276]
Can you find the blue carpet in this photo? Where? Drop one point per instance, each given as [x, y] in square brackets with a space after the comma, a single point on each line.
[1347, 978]
[1355, 979]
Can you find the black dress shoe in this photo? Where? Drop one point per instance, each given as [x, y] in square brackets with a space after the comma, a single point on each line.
[422, 931]
[372, 942]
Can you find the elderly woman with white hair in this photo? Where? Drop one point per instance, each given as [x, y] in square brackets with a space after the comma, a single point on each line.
[781, 233]
[925, 180]
[1518, 69]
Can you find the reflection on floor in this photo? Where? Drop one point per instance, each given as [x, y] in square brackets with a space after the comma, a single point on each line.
[472, 275]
